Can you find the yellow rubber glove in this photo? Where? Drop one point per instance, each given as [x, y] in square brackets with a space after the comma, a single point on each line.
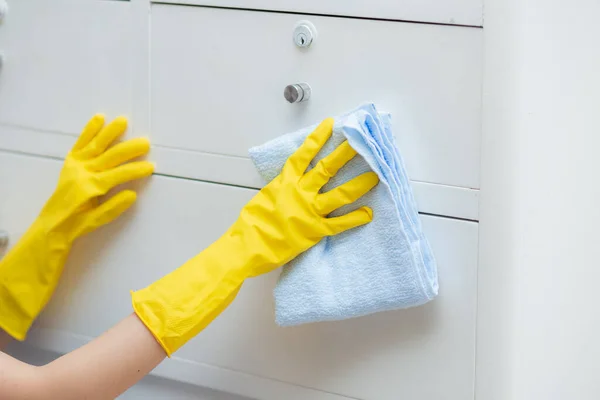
[287, 217]
[30, 272]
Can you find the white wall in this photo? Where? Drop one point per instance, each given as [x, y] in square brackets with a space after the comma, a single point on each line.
[539, 315]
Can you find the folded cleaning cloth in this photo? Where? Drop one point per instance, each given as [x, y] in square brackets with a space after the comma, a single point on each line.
[381, 266]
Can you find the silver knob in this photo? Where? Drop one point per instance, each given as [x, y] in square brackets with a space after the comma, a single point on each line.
[3, 241]
[297, 92]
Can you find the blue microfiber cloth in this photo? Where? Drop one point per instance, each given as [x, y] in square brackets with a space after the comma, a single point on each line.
[381, 266]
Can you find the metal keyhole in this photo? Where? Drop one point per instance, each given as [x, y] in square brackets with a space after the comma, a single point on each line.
[304, 34]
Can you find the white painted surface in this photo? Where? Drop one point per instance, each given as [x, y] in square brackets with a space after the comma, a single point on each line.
[463, 12]
[425, 352]
[158, 388]
[64, 61]
[217, 80]
[431, 198]
[538, 313]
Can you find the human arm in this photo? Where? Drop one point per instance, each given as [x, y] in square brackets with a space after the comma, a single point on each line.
[284, 219]
[102, 369]
[30, 271]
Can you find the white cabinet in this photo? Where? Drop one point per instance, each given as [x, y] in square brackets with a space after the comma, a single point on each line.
[64, 61]
[460, 12]
[218, 77]
[424, 353]
[206, 82]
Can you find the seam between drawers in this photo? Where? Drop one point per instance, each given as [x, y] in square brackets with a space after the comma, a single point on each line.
[318, 14]
[19, 153]
[476, 221]
[32, 155]
[160, 146]
[436, 199]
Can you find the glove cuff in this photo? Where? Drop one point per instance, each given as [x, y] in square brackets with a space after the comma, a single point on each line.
[181, 304]
[29, 274]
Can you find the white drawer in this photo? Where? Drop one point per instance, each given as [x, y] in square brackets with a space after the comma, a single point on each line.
[218, 76]
[64, 61]
[461, 12]
[424, 353]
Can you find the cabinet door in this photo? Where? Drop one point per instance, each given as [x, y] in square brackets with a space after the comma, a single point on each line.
[424, 353]
[64, 61]
[218, 78]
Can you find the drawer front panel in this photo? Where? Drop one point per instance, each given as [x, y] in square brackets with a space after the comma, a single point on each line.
[218, 77]
[64, 61]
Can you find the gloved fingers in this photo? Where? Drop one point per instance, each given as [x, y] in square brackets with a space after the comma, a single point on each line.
[106, 212]
[328, 166]
[120, 154]
[91, 129]
[347, 193]
[126, 173]
[353, 219]
[104, 138]
[300, 160]
[88, 205]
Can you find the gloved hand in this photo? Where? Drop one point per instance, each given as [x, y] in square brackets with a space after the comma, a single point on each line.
[287, 217]
[30, 271]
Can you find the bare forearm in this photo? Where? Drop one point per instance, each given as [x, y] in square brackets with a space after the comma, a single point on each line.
[107, 366]
[102, 369]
